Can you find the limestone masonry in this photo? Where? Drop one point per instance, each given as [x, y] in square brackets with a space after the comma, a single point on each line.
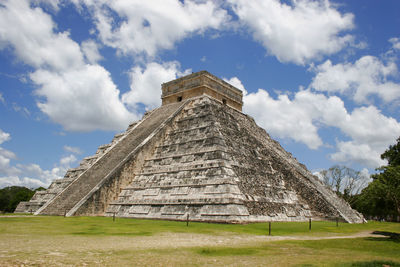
[196, 157]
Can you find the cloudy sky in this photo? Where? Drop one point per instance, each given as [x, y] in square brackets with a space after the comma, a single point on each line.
[322, 77]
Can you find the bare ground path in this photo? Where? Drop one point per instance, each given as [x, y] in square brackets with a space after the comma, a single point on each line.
[164, 249]
[176, 240]
[157, 241]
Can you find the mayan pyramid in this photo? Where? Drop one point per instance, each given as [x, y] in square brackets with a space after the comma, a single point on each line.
[196, 157]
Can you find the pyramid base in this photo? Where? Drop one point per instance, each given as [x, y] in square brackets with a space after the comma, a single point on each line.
[228, 213]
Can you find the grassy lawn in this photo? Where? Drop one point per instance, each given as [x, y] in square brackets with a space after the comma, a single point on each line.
[94, 241]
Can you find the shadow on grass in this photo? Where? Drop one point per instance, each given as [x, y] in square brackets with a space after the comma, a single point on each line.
[363, 264]
[391, 235]
[373, 264]
[388, 236]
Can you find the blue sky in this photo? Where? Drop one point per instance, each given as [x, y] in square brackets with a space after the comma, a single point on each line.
[322, 77]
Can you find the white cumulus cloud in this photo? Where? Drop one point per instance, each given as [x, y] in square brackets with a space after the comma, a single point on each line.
[81, 99]
[361, 79]
[395, 42]
[135, 26]
[68, 160]
[91, 51]
[299, 32]
[363, 154]
[6, 156]
[80, 95]
[237, 83]
[146, 83]
[54, 4]
[29, 30]
[29, 175]
[300, 118]
[72, 149]
[283, 117]
[4, 136]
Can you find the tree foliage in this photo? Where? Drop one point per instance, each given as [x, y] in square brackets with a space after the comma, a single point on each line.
[381, 199]
[11, 196]
[392, 154]
[344, 181]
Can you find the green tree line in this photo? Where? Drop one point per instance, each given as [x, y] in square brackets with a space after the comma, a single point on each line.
[12, 195]
[381, 198]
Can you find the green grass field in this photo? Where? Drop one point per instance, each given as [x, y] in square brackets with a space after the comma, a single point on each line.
[95, 241]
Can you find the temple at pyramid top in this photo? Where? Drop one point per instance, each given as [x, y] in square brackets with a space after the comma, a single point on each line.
[201, 83]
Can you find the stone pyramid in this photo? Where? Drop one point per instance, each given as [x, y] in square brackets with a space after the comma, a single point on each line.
[196, 157]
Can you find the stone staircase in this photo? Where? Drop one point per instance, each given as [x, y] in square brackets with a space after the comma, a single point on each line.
[116, 153]
[189, 174]
[193, 172]
[40, 198]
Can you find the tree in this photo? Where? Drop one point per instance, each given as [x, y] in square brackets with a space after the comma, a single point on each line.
[344, 181]
[387, 184]
[382, 196]
[11, 196]
[392, 154]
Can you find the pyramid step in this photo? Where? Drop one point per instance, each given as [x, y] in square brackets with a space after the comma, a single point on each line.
[201, 182]
[158, 156]
[171, 150]
[198, 182]
[210, 169]
[191, 201]
[191, 129]
[82, 186]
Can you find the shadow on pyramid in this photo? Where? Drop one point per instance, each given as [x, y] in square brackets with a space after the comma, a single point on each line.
[197, 158]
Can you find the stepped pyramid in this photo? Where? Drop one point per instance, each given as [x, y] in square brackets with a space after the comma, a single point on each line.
[196, 157]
